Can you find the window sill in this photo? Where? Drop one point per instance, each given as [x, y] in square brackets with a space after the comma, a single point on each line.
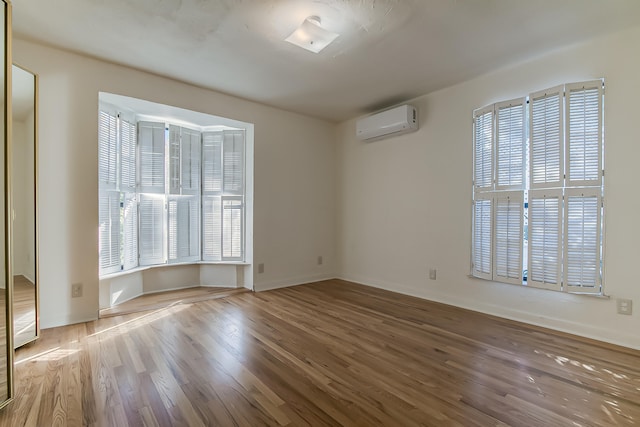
[586, 294]
[175, 264]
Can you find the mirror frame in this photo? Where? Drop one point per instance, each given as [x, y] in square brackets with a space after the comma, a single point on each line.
[35, 209]
[7, 201]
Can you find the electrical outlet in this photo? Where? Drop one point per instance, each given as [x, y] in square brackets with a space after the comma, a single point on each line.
[625, 306]
[320, 260]
[76, 290]
[432, 274]
[261, 268]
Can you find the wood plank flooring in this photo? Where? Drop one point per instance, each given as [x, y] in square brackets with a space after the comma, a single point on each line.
[24, 311]
[166, 299]
[325, 354]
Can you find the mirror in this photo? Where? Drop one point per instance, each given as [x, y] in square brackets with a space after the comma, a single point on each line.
[23, 182]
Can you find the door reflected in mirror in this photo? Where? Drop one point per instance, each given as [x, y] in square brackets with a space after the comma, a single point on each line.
[23, 162]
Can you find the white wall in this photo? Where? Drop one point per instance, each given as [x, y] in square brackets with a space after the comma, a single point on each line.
[405, 203]
[294, 194]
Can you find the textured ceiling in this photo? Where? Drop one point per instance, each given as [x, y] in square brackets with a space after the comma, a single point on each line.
[388, 50]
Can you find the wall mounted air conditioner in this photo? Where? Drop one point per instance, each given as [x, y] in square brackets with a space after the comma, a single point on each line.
[388, 123]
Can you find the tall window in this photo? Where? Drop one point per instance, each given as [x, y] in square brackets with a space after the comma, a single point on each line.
[538, 189]
[168, 194]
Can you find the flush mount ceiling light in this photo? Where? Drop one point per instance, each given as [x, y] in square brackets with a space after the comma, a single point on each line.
[311, 36]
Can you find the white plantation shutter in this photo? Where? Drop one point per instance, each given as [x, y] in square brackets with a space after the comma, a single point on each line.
[584, 133]
[510, 144]
[508, 220]
[190, 162]
[546, 148]
[183, 229]
[232, 228]
[151, 138]
[128, 134]
[107, 150]
[582, 240]
[482, 231]
[174, 159]
[130, 231]
[211, 162]
[151, 212]
[109, 231]
[545, 241]
[233, 162]
[211, 228]
[483, 148]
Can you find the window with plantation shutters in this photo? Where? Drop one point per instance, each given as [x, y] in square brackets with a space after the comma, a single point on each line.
[233, 161]
[483, 148]
[151, 138]
[212, 162]
[211, 228]
[545, 242]
[109, 231]
[582, 250]
[482, 230]
[510, 144]
[183, 228]
[168, 193]
[223, 195]
[107, 150]
[584, 134]
[184, 161]
[117, 178]
[128, 160]
[130, 231]
[546, 138]
[538, 189]
[151, 237]
[508, 220]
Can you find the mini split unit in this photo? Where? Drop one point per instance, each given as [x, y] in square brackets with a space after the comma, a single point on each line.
[385, 124]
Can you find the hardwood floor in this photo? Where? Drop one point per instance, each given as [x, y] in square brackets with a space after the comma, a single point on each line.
[24, 311]
[169, 298]
[329, 353]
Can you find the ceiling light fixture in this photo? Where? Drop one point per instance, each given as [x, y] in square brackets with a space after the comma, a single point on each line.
[311, 36]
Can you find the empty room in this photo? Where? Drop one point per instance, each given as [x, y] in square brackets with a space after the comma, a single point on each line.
[320, 213]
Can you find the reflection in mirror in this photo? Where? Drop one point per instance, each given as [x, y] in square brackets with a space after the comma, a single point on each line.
[25, 317]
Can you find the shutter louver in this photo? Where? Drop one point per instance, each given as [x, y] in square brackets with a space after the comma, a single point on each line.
[233, 162]
[482, 266]
[582, 240]
[151, 138]
[184, 230]
[232, 228]
[109, 231]
[584, 133]
[211, 228]
[510, 145]
[127, 156]
[211, 162]
[508, 222]
[107, 150]
[190, 162]
[483, 148]
[151, 232]
[546, 146]
[544, 239]
[174, 159]
[130, 231]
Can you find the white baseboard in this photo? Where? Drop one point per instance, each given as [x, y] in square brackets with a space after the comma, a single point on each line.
[291, 281]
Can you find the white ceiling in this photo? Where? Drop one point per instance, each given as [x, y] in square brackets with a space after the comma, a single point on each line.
[388, 50]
